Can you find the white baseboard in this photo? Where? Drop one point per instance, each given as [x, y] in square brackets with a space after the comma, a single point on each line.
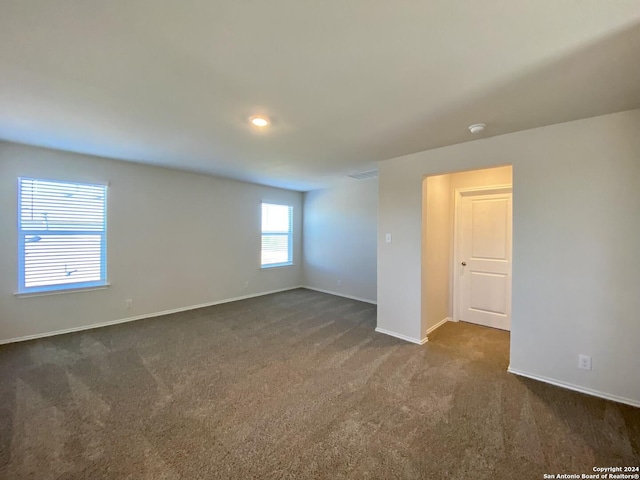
[439, 324]
[402, 337]
[140, 317]
[576, 388]
[340, 294]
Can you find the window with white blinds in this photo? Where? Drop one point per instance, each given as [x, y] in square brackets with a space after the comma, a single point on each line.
[61, 235]
[277, 235]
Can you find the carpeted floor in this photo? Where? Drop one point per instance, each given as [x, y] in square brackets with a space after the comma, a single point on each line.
[292, 385]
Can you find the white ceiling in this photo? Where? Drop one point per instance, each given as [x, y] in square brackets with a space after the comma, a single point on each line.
[346, 82]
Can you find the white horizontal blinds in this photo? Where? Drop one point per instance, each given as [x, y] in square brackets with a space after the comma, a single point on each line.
[61, 234]
[277, 232]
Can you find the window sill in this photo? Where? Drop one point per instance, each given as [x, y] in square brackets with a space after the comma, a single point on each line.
[46, 293]
[276, 265]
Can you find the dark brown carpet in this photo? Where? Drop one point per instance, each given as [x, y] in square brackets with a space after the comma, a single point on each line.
[292, 385]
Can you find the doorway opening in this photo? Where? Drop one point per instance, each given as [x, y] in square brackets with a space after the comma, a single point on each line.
[466, 248]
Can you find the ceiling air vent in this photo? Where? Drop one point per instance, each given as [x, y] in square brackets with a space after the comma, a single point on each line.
[364, 175]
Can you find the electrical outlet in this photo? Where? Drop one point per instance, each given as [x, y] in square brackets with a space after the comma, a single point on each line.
[128, 303]
[339, 283]
[387, 238]
[584, 362]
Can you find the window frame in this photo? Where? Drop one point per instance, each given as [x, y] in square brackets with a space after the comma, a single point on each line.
[23, 290]
[288, 234]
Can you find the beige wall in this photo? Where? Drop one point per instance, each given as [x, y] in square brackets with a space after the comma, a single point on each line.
[576, 249]
[481, 178]
[174, 240]
[436, 257]
[340, 232]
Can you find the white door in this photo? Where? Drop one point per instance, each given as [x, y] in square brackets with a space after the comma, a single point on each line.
[483, 244]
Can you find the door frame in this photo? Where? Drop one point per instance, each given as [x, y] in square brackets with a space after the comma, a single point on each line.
[459, 193]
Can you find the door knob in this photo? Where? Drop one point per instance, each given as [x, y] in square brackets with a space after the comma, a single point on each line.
[464, 264]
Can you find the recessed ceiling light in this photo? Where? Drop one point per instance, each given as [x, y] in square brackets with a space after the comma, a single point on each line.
[259, 121]
[477, 128]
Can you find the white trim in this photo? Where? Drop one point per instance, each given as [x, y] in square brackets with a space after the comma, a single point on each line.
[485, 190]
[458, 194]
[576, 388]
[140, 317]
[402, 337]
[61, 291]
[276, 265]
[438, 325]
[340, 294]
